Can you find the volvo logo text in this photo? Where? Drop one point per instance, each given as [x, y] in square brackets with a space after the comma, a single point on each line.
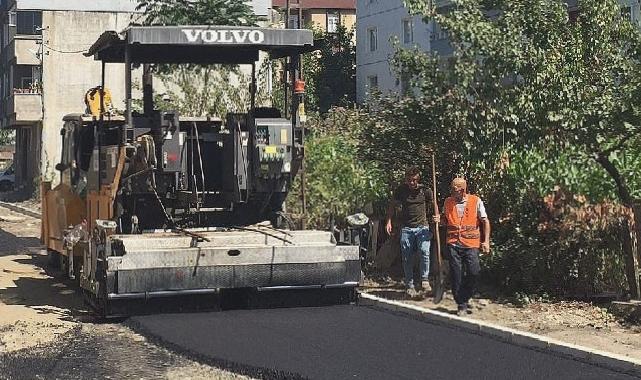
[210, 36]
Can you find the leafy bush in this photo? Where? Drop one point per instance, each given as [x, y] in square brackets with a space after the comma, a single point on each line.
[550, 238]
[337, 182]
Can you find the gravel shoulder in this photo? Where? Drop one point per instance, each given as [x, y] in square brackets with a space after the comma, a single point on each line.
[47, 332]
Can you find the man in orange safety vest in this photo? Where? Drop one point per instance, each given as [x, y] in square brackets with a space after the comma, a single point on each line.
[468, 230]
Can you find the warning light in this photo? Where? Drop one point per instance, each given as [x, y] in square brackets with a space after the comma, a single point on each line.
[299, 87]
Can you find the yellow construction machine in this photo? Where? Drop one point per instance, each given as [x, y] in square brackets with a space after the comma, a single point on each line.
[157, 204]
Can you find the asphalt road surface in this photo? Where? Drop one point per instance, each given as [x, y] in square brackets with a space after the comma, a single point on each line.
[353, 342]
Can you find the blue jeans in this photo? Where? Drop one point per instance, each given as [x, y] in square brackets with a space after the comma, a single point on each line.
[411, 240]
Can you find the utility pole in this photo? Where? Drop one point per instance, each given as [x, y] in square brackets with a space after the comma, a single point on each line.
[300, 116]
[286, 63]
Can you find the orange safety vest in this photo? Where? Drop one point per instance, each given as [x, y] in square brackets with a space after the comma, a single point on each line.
[463, 230]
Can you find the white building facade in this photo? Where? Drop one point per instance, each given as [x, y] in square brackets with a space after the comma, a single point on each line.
[380, 22]
[44, 74]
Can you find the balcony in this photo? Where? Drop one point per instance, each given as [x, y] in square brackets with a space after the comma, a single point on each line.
[23, 107]
[25, 50]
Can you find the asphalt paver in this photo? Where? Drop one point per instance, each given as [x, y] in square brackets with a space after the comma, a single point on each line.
[355, 342]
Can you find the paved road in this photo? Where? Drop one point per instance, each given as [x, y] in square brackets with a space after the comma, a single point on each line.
[354, 342]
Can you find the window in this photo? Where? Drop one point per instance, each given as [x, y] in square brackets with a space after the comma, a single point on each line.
[5, 84]
[5, 35]
[26, 78]
[408, 31]
[333, 20]
[373, 39]
[438, 33]
[12, 18]
[29, 22]
[626, 13]
[405, 84]
[372, 82]
[293, 22]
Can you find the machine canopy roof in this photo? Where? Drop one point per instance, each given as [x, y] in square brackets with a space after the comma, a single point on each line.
[207, 44]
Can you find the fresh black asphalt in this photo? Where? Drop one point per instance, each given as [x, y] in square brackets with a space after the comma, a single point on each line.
[354, 342]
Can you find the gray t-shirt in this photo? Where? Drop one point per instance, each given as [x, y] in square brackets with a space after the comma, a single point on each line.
[415, 204]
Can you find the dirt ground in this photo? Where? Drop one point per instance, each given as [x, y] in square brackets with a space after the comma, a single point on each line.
[44, 326]
[572, 322]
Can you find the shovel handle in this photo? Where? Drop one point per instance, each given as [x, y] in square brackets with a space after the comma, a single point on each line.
[436, 212]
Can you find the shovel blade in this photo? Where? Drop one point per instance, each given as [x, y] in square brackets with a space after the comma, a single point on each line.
[439, 291]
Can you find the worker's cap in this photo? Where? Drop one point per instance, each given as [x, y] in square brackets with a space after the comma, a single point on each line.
[459, 183]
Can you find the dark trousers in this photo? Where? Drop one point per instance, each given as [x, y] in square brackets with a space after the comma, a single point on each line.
[464, 272]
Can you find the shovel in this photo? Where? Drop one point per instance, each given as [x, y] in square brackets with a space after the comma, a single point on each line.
[439, 287]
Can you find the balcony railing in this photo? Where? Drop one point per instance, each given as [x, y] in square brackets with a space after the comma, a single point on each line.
[35, 89]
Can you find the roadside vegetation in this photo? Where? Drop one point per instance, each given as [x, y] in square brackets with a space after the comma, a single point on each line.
[538, 109]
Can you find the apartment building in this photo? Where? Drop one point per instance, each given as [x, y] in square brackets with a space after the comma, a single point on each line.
[380, 25]
[323, 14]
[382, 22]
[44, 74]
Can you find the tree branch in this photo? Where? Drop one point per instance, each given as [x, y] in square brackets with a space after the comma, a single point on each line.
[622, 187]
[618, 146]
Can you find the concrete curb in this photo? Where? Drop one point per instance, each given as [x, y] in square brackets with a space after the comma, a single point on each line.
[21, 210]
[587, 355]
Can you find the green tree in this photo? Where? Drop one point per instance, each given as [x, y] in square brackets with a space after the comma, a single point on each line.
[7, 136]
[544, 81]
[330, 72]
[199, 12]
[199, 90]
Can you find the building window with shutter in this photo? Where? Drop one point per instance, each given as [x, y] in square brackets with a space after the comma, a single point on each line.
[29, 22]
[372, 82]
[333, 20]
[373, 39]
[408, 31]
[293, 22]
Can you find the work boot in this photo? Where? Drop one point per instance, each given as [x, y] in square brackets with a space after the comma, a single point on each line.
[410, 292]
[425, 284]
[462, 310]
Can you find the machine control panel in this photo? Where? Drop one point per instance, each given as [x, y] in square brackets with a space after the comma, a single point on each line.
[273, 147]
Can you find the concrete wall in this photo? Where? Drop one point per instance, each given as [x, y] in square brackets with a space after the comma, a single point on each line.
[67, 74]
[261, 7]
[27, 107]
[386, 16]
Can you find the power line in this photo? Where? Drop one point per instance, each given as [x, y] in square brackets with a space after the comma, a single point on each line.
[66, 52]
